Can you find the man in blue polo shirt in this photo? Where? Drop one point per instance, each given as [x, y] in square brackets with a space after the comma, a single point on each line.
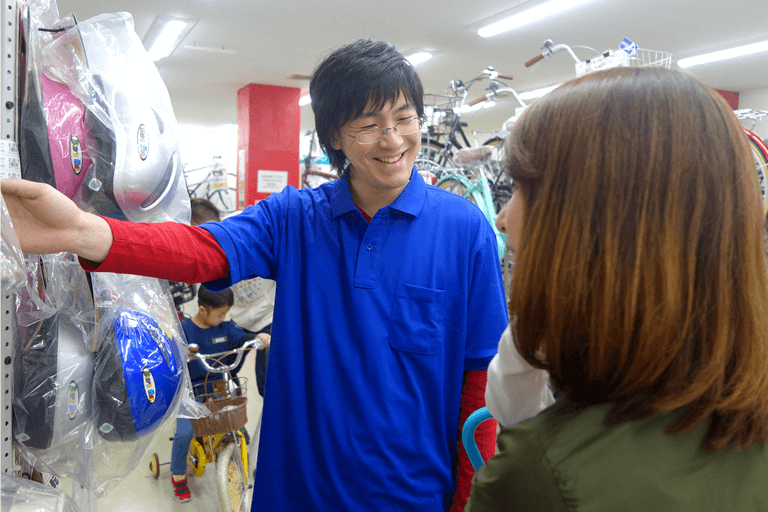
[389, 297]
[388, 291]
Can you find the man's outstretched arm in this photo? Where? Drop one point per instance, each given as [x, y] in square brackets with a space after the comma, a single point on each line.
[46, 221]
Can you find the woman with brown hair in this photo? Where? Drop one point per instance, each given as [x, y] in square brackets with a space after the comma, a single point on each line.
[640, 287]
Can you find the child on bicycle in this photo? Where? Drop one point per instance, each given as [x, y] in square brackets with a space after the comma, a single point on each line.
[212, 334]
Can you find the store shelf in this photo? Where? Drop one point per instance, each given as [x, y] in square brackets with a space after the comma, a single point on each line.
[8, 82]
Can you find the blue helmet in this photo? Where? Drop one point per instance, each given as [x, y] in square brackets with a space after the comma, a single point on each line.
[138, 373]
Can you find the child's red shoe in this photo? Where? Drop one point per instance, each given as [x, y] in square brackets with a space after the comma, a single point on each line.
[181, 491]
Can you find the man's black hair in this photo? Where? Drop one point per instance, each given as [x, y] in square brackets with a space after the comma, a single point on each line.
[353, 76]
[212, 300]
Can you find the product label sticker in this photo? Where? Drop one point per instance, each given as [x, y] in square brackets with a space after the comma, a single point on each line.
[10, 166]
[73, 400]
[142, 142]
[106, 428]
[149, 385]
[75, 154]
[628, 46]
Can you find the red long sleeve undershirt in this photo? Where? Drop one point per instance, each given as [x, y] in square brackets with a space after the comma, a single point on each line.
[190, 254]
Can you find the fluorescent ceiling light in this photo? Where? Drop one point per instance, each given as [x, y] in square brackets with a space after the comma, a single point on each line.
[723, 54]
[305, 100]
[165, 34]
[532, 15]
[418, 58]
[537, 93]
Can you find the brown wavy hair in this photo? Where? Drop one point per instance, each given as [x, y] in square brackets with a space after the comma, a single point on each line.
[641, 274]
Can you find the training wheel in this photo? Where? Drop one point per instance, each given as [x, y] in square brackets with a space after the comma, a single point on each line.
[154, 466]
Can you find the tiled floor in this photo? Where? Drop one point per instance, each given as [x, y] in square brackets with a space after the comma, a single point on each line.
[140, 492]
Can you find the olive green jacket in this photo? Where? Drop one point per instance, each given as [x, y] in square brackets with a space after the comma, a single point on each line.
[571, 461]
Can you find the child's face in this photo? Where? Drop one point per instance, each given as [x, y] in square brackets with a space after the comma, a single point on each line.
[214, 316]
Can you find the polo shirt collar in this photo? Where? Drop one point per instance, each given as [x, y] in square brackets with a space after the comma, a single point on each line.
[410, 201]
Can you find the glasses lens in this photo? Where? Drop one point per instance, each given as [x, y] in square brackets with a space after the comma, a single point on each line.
[409, 126]
[369, 136]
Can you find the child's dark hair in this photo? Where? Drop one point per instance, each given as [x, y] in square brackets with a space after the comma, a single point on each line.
[212, 300]
[203, 211]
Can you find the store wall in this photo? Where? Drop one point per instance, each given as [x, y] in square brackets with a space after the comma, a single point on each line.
[757, 100]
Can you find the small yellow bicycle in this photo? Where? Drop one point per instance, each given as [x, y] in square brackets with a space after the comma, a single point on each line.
[219, 436]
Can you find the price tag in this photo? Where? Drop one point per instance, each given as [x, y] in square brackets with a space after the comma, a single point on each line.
[10, 167]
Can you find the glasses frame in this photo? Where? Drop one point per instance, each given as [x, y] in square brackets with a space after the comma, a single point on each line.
[384, 131]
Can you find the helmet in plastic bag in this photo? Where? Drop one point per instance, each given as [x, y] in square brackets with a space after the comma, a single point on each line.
[53, 374]
[137, 168]
[138, 373]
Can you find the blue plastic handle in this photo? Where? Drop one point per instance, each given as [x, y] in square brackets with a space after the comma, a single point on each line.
[468, 436]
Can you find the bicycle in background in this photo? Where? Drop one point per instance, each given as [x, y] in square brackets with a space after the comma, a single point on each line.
[216, 185]
[219, 436]
[759, 151]
[315, 170]
[443, 133]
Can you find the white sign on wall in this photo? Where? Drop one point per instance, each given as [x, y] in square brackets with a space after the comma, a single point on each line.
[272, 181]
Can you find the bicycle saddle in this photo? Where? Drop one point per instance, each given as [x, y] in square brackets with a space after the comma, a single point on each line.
[472, 155]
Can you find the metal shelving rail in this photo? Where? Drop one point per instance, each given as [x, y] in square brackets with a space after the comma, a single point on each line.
[8, 94]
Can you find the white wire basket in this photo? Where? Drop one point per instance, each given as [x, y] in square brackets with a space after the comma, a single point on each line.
[650, 58]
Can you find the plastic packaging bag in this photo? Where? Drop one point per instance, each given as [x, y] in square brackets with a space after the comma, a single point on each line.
[140, 376]
[53, 368]
[136, 162]
[110, 131]
[14, 275]
[21, 495]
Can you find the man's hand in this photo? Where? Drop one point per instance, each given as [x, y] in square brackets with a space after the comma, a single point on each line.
[46, 221]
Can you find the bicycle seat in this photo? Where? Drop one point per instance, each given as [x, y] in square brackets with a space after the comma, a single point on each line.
[472, 155]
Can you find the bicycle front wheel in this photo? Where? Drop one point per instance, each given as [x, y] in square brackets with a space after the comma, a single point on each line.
[455, 186]
[232, 481]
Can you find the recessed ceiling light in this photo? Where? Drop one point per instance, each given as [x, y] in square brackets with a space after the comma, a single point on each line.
[545, 10]
[723, 54]
[418, 58]
[165, 34]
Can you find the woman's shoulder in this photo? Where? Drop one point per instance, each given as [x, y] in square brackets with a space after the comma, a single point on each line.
[576, 453]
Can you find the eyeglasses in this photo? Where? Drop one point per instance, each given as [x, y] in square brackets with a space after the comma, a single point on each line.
[376, 133]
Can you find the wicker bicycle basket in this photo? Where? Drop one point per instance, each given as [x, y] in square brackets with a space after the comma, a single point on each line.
[228, 413]
[439, 111]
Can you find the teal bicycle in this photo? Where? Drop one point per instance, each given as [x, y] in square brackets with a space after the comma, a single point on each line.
[470, 181]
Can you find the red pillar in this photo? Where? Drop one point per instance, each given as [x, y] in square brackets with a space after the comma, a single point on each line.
[731, 97]
[268, 126]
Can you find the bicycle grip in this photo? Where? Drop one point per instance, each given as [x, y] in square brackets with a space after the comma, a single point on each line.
[534, 60]
[505, 76]
[478, 100]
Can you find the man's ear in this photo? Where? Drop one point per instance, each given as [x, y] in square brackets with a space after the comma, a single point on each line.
[336, 142]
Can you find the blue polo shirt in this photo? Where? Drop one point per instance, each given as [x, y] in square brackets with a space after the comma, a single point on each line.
[374, 325]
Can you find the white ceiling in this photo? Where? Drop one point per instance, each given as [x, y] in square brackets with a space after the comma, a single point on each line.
[272, 39]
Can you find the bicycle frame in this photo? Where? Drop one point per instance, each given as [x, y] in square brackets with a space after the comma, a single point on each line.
[479, 192]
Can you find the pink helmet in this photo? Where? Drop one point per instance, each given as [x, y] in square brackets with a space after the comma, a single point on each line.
[68, 138]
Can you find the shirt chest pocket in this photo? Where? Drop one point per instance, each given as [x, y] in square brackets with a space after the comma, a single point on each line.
[417, 323]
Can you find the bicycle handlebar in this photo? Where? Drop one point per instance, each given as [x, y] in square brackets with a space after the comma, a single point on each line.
[475, 101]
[505, 76]
[534, 60]
[256, 343]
